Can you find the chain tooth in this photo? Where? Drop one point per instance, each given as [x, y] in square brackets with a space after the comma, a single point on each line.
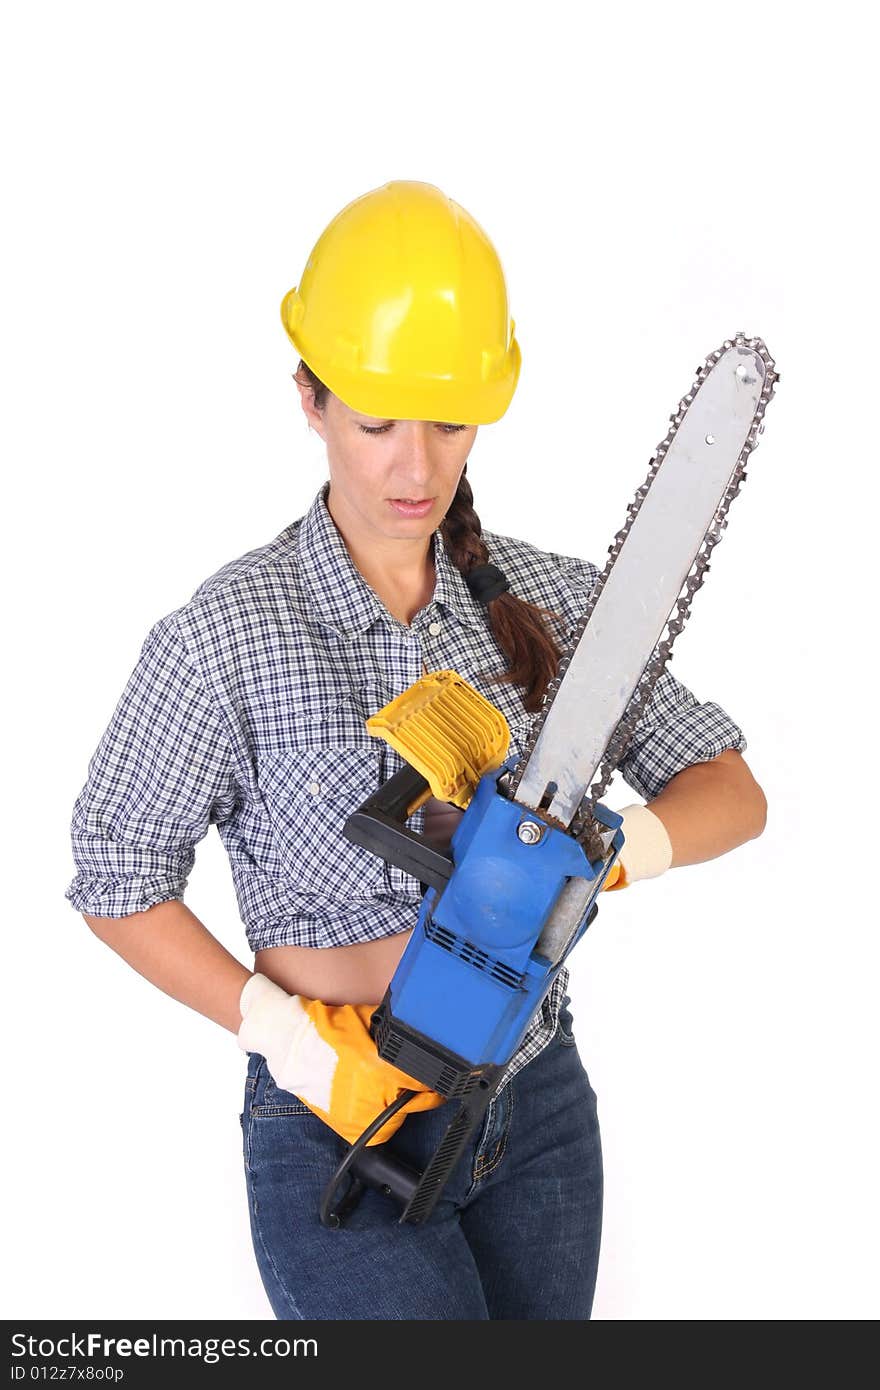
[638, 701]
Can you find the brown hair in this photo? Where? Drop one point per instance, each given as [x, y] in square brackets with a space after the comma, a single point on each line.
[520, 628]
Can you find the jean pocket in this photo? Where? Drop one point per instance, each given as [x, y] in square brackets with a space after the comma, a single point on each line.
[269, 1099]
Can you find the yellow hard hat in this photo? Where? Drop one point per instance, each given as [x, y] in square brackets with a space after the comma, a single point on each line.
[402, 310]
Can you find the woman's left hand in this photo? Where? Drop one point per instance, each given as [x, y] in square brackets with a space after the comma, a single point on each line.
[324, 1055]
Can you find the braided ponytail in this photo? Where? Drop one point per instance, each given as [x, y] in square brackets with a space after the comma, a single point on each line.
[520, 628]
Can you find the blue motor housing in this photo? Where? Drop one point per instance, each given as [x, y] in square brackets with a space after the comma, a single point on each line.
[500, 913]
[472, 976]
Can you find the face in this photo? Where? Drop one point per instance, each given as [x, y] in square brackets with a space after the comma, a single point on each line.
[373, 462]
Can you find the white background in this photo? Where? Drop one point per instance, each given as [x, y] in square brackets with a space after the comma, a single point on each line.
[654, 181]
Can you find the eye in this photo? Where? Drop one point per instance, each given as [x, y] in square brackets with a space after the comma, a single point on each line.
[381, 429]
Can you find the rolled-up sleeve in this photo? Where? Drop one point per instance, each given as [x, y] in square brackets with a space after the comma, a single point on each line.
[161, 774]
[675, 732]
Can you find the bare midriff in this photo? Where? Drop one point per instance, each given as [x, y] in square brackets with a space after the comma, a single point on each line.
[356, 974]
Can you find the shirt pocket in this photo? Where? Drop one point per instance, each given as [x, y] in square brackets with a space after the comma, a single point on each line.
[309, 793]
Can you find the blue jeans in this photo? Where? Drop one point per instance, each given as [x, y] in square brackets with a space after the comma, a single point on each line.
[515, 1233]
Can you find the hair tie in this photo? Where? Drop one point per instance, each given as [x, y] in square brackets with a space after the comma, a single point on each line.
[486, 582]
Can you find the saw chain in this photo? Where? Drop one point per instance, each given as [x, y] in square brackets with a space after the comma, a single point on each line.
[583, 825]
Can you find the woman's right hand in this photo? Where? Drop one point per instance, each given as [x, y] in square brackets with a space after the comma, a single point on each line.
[325, 1056]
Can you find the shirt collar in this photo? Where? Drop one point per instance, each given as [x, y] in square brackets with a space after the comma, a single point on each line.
[344, 599]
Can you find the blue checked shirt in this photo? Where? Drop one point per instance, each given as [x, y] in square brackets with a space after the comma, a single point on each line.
[247, 708]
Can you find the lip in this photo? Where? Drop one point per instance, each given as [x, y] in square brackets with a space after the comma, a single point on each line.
[412, 509]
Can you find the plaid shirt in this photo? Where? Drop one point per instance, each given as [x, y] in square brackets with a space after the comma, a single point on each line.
[247, 708]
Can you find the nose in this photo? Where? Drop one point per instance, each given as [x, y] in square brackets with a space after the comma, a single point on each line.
[418, 449]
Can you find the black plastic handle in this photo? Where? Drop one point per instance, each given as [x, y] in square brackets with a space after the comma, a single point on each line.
[379, 825]
[377, 1166]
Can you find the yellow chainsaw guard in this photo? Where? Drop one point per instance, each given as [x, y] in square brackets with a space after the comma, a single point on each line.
[448, 732]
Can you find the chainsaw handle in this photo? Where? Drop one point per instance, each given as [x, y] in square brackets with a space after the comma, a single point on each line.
[377, 1166]
[379, 825]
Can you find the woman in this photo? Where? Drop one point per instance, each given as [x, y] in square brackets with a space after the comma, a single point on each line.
[247, 708]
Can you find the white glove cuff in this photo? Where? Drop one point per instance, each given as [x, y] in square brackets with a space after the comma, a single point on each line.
[272, 1020]
[275, 1024]
[647, 849]
[258, 987]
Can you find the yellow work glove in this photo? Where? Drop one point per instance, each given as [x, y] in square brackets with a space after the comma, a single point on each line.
[324, 1055]
[615, 875]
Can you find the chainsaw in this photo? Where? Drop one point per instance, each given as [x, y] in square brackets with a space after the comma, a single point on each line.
[518, 887]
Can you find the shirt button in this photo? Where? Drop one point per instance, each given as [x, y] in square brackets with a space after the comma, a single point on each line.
[433, 628]
[315, 788]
